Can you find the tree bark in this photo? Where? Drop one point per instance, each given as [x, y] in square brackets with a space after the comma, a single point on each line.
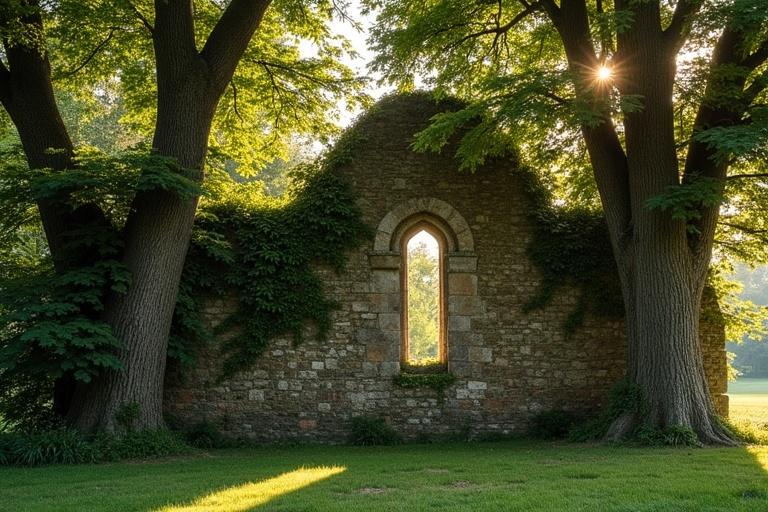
[156, 240]
[661, 276]
[190, 84]
[27, 95]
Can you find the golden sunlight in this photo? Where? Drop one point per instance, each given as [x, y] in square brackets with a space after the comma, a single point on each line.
[604, 73]
[252, 494]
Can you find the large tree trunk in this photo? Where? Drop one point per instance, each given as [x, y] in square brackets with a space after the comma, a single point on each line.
[665, 357]
[667, 276]
[156, 242]
[662, 268]
[190, 84]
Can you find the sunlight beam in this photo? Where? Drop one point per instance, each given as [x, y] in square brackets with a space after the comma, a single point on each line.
[604, 73]
[245, 497]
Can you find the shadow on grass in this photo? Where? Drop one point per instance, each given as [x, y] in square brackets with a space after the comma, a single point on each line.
[515, 476]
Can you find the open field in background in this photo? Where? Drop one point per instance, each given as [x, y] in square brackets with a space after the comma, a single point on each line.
[748, 400]
[505, 476]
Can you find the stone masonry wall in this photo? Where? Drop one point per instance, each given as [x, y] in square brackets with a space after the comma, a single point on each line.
[509, 364]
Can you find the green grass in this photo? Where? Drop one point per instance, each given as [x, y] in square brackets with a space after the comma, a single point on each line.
[508, 476]
[748, 400]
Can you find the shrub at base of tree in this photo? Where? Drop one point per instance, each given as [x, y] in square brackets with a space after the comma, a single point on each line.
[67, 446]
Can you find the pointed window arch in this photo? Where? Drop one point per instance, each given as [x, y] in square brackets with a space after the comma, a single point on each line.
[423, 286]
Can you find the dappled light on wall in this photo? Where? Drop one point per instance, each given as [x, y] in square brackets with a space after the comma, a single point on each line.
[245, 497]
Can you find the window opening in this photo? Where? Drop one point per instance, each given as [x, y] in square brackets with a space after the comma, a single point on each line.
[423, 334]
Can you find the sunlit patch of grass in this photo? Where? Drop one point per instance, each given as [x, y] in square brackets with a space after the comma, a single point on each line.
[244, 497]
[748, 409]
[514, 476]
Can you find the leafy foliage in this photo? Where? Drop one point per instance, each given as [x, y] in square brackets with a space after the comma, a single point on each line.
[570, 246]
[204, 435]
[675, 435]
[278, 89]
[66, 446]
[51, 323]
[267, 251]
[372, 431]
[625, 398]
[438, 381]
[551, 424]
[684, 201]
[506, 60]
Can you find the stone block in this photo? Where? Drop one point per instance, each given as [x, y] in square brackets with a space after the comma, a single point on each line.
[459, 323]
[468, 305]
[385, 302]
[480, 354]
[462, 284]
[390, 368]
[376, 353]
[385, 281]
[462, 263]
[305, 424]
[256, 395]
[385, 261]
[389, 321]
[457, 352]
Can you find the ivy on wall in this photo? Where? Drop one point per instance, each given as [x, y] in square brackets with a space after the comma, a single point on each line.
[267, 252]
[571, 247]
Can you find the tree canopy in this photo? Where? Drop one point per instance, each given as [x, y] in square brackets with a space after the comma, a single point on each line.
[652, 112]
[122, 108]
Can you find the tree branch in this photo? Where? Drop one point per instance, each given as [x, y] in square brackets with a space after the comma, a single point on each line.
[499, 29]
[91, 55]
[745, 229]
[746, 176]
[609, 161]
[142, 18]
[700, 160]
[234, 100]
[5, 83]
[230, 37]
[678, 28]
[758, 57]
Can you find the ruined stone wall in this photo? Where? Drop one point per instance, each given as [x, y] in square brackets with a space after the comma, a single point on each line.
[509, 364]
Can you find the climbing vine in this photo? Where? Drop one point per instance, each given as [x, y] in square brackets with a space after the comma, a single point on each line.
[266, 252]
[262, 250]
[571, 246]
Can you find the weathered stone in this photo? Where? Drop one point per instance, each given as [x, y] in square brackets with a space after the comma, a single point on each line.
[462, 263]
[462, 284]
[509, 364]
[376, 353]
[480, 354]
[386, 281]
[389, 321]
[459, 323]
[385, 261]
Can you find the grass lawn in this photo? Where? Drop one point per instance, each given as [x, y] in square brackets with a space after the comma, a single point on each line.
[748, 399]
[515, 475]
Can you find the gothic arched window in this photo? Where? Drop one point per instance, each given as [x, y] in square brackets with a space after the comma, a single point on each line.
[423, 311]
